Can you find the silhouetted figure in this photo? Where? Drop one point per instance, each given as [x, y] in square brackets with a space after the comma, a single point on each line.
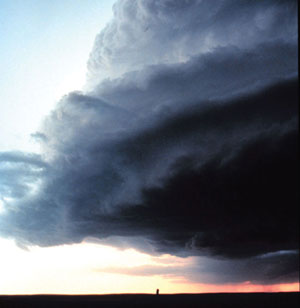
[157, 291]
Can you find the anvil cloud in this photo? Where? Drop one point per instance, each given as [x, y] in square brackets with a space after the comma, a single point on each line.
[184, 143]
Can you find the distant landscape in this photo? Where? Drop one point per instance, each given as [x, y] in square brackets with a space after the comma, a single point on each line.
[245, 300]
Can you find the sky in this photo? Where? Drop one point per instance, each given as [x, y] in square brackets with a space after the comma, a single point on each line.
[148, 144]
[40, 43]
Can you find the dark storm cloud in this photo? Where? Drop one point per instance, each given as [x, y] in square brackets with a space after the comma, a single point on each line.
[223, 73]
[190, 153]
[208, 181]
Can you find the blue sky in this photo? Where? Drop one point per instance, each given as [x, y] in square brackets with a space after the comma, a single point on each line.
[44, 48]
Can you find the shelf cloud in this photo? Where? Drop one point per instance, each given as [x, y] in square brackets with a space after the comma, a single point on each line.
[184, 143]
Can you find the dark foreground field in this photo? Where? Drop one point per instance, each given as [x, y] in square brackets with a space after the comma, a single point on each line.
[242, 300]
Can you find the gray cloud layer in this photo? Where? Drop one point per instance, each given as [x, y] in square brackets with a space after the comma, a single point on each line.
[19, 171]
[162, 31]
[187, 147]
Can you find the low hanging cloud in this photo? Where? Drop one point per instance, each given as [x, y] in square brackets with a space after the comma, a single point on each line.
[185, 142]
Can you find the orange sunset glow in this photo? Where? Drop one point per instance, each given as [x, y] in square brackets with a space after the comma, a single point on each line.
[88, 268]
